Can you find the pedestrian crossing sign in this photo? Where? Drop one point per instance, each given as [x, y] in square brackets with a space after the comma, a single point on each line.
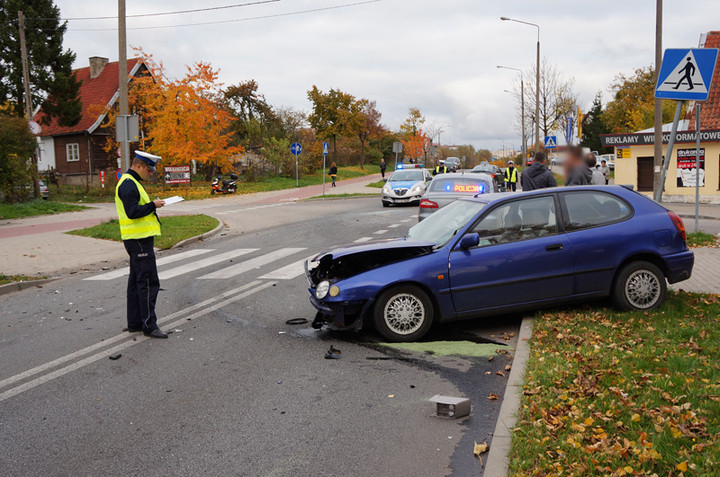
[550, 142]
[686, 74]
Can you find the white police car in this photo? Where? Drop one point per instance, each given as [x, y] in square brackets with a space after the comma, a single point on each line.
[406, 186]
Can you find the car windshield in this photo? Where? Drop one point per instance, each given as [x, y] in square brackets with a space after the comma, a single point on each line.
[445, 223]
[483, 168]
[459, 185]
[415, 175]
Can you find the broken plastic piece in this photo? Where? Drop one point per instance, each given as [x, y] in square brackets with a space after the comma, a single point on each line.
[115, 356]
[333, 353]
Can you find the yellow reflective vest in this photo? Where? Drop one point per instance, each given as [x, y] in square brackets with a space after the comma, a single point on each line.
[511, 177]
[142, 227]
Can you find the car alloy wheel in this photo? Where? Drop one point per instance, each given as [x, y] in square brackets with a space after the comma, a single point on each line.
[642, 289]
[404, 314]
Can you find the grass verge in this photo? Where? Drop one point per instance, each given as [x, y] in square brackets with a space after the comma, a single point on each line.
[174, 229]
[36, 207]
[5, 279]
[201, 189]
[378, 184]
[610, 393]
[701, 239]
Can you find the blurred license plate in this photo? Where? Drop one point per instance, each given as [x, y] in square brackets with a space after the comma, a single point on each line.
[402, 201]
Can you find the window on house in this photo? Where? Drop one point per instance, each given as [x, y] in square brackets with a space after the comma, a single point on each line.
[72, 152]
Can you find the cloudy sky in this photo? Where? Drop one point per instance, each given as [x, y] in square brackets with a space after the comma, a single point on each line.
[437, 55]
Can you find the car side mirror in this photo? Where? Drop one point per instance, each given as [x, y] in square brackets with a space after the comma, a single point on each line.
[469, 241]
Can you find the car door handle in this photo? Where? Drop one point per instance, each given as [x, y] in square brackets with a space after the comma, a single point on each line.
[553, 247]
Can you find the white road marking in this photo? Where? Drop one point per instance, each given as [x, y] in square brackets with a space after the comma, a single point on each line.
[259, 286]
[363, 239]
[405, 220]
[380, 232]
[251, 264]
[393, 226]
[205, 262]
[120, 337]
[288, 272]
[120, 272]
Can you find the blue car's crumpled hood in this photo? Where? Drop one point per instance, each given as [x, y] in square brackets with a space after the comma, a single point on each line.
[352, 260]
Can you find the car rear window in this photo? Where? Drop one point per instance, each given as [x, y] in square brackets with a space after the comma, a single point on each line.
[460, 185]
[593, 208]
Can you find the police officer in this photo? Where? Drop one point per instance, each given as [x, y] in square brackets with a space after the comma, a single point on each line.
[511, 176]
[139, 224]
[441, 168]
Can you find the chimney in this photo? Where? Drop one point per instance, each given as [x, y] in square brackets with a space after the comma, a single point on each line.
[97, 65]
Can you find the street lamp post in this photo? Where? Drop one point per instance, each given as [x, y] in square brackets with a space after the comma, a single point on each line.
[537, 79]
[522, 109]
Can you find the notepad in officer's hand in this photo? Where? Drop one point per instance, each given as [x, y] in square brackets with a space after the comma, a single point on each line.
[173, 200]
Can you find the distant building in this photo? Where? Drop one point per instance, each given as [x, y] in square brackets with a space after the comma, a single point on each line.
[634, 152]
[77, 152]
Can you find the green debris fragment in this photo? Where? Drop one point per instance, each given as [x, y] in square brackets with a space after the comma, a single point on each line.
[449, 348]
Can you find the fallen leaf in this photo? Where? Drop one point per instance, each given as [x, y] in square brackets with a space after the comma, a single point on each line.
[480, 449]
[635, 417]
[493, 397]
[682, 466]
[391, 395]
[500, 373]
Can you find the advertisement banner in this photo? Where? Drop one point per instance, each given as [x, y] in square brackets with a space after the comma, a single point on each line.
[177, 174]
[686, 167]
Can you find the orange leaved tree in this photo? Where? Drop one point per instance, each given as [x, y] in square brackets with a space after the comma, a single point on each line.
[415, 145]
[185, 118]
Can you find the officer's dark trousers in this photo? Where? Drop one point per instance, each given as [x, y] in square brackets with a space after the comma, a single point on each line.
[143, 284]
[512, 186]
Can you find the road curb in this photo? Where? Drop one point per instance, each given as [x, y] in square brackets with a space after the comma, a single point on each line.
[497, 460]
[17, 286]
[220, 227]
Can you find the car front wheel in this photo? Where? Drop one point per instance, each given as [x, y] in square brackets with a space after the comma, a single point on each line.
[403, 313]
[639, 286]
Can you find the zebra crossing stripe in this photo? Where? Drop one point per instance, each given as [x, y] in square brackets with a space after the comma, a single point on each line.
[205, 262]
[120, 272]
[253, 263]
[288, 272]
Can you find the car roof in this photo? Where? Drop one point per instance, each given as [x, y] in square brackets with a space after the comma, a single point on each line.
[498, 197]
[458, 175]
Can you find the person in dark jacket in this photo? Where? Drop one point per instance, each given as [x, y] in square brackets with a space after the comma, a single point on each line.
[576, 170]
[383, 168]
[537, 176]
[333, 173]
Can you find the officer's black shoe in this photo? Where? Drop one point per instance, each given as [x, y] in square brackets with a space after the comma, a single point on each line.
[156, 333]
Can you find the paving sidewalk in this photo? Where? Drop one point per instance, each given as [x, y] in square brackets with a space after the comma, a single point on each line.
[39, 245]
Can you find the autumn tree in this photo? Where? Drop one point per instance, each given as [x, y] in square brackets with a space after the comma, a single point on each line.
[184, 119]
[335, 114]
[412, 124]
[593, 125]
[369, 126]
[557, 98]
[633, 101]
[16, 171]
[53, 84]
[416, 145]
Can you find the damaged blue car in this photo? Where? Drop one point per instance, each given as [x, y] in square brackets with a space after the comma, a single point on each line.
[500, 253]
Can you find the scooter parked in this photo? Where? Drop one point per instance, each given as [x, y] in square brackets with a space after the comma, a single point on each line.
[224, 187]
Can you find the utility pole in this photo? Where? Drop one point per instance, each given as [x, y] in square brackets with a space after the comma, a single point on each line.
[25, 67]
[537, 95]
[658, 186]
[124, 109]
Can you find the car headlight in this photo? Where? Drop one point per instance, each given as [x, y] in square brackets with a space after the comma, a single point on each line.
[386, 189]
[416, 188]
[321, 290]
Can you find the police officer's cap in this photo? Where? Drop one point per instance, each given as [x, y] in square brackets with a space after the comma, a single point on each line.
[511, 162]
[150, 159]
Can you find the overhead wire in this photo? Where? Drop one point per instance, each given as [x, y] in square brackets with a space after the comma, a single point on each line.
[237, 20]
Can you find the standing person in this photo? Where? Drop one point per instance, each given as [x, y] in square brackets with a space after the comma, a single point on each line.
[511, 176]
[139, 224]
[383, 168]
[576, 170]
[597, 176]
[440, 168]
[333, 174]
[537, 176]
[605, 170]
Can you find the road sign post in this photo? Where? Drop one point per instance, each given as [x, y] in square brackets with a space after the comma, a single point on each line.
[296, 149]
[397, 148]
[697, 167]
[326, 149]
[685, 75]
[550, 142]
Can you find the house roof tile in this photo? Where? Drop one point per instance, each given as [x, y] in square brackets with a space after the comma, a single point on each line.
[710, 111]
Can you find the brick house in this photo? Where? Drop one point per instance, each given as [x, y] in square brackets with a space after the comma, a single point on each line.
[77, 152]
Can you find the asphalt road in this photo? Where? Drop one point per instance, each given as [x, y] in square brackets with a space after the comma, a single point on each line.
[235, 390]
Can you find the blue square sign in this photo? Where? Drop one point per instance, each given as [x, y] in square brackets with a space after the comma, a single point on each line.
[686, 74]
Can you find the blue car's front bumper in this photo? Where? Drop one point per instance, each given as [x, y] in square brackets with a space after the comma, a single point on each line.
[680, 266]
[340, 314]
